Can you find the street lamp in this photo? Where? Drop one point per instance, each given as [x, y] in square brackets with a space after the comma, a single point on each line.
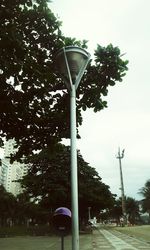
[71, 63]
[120, 156]
[89, 213]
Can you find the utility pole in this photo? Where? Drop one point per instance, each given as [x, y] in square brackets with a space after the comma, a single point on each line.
[120, 156]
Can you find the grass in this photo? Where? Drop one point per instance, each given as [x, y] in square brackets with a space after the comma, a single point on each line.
[42, 243]
[139, 232]
[30, 243]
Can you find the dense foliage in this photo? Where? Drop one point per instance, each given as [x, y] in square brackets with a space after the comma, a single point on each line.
[132, 210]
[7, 206]
[20, 210]
[48, 181]
[33, 98]
[145, 192]
[34, 104]
[47, 186]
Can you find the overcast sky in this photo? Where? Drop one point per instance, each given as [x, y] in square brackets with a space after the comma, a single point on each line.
[126, 121]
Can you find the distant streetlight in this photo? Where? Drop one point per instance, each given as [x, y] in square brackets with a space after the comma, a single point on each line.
[71, 62]
[120, 156]
[89, 213]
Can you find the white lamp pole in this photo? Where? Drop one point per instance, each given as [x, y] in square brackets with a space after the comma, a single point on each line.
[71, 62]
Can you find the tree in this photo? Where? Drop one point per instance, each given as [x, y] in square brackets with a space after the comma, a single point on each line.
[29, 212]
[49, 181]
[92, 191]
[145, 192]
[132, 209]
[7, 208]
[32, 97]
[116, 210]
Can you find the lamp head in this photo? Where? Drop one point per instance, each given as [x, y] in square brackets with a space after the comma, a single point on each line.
[71, 62]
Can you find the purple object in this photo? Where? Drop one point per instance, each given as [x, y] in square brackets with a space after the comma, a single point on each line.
[62, 211]
[62, 221]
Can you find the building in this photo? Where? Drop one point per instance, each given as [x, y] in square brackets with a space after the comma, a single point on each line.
[9, 173]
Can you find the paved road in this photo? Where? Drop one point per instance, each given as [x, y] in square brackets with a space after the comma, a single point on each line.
[100, 240]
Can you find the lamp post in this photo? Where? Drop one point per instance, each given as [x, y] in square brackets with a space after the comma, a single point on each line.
[89, 213]
[120, 156]
[71, 63]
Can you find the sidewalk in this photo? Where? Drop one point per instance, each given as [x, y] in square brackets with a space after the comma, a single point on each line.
[85, 242]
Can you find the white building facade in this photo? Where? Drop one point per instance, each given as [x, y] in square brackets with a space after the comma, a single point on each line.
[10, 173]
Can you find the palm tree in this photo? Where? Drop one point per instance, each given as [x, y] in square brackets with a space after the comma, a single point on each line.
[132, 208]
[145, 192]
